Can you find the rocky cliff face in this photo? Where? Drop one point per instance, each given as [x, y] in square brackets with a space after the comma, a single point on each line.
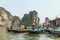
[15, 22]
[6, 19]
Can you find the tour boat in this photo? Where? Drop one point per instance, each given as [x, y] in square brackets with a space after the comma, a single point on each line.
[36, 30]
[55, 31]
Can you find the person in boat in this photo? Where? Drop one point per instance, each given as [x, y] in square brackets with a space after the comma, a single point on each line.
[25, 27]
[33, 27]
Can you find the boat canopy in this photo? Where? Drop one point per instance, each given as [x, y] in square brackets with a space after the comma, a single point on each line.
[57, 29]
[41, 28]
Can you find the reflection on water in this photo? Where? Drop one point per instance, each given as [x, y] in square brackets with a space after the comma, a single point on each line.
[16, 36]
[3, 34]
[24, 36]
[32, 37]
[45, 37]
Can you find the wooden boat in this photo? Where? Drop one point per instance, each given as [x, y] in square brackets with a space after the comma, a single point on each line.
[17, 31]
[20, 31]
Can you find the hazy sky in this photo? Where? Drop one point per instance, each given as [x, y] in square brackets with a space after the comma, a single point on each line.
[45, 8]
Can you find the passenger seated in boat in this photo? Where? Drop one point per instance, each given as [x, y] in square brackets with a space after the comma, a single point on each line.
[25, 28]
[33, 27]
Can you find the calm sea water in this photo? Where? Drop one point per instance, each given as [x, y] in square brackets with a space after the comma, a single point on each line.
[25, 36]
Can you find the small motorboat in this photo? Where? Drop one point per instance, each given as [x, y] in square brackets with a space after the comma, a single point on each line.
[35, 31]
[17, 31]
[20, 31]
[55, 31]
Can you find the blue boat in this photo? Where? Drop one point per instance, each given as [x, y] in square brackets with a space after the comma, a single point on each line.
[55, 31]
[41, 28]
[36, 30]
[33, 31]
